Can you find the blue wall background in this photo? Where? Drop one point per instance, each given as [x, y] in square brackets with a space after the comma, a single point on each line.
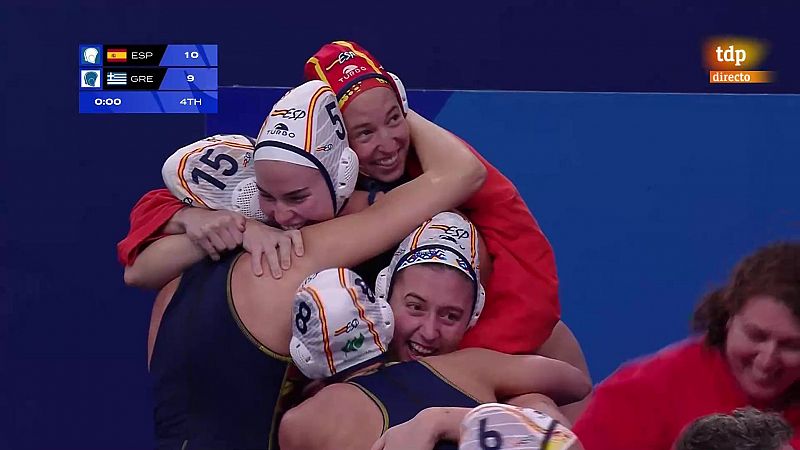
[646, 198]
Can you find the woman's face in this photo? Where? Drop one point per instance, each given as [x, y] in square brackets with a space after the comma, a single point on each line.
[432, 308]
[378, 132]
[292, 196]
[763, 348]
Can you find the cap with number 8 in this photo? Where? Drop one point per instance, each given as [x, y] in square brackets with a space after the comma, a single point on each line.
[338, 323]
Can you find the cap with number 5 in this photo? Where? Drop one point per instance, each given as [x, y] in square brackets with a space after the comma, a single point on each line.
[305, 127]
[338, 323]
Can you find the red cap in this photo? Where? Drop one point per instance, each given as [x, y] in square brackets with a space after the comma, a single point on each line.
[349, 70]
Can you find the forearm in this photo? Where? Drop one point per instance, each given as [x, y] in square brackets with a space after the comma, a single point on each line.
[538, 374]
[163, 261]
[175, 225]
[563, 346]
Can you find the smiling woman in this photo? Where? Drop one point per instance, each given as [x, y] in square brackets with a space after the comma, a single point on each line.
[748, 354]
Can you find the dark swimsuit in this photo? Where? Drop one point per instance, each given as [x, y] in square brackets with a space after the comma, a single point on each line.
[215, 386]
[401, 390]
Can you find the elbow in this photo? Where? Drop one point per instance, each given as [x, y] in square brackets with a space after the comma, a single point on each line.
[132, 277]
[580, 387]
[477, 175]
[585, 388]
[135, 278]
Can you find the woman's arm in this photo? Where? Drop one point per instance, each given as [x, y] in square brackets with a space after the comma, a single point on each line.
[162, 261]
[514, 375]
[452, 174]
[563, 346]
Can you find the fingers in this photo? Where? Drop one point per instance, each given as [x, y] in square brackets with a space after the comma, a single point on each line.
[230, 236]
[285, 253]
[273, 263]
[297, 241]
[217, 241]
[239, 221]
[208, 247]
[255, 262]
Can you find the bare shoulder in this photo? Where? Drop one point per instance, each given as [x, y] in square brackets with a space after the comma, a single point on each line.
[258, 301]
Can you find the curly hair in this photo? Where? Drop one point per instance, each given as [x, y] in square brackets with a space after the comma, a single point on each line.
[773, 270]
[745, 429]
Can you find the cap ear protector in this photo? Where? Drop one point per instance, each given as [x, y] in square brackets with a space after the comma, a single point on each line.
[401, 91]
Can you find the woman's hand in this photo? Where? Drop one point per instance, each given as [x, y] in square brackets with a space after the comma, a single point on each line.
[212, 230]
[277, 245]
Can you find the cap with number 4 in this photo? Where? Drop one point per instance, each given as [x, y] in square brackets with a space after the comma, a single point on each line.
[338, 323]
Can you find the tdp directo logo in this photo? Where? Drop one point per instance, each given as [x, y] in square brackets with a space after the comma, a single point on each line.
[733, 59]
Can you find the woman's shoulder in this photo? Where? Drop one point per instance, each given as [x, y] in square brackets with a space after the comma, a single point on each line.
[671, 364]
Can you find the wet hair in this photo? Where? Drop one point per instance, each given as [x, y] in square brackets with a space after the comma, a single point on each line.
[773, 270]
[745, 429]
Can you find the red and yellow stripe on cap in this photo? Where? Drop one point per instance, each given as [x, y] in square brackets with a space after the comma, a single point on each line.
[310, 123]
[363, 54]
[324, 325]
[361, 312]
[418, 234]
[327, 62]
[473, 244]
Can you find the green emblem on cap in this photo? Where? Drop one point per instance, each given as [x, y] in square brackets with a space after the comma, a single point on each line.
[353, 344]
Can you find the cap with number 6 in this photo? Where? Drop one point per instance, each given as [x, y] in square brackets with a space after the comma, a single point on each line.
[338, 323]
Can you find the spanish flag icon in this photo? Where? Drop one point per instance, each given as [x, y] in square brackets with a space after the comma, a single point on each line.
[117, 55]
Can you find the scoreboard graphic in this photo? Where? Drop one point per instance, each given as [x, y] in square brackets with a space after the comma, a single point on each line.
[129, 79]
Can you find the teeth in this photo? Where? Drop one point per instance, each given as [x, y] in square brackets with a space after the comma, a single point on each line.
[419, 349]
[387, 161]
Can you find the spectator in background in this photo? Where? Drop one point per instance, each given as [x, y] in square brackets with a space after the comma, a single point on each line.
[745, 429]
[747, 353]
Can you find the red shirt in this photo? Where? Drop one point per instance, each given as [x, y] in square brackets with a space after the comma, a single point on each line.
[148, 218]
[521, 295]
[647, 403]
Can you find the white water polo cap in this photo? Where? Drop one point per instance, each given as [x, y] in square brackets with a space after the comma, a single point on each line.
[338, 323]
[447, 239]
[217, 173]
[305, 127]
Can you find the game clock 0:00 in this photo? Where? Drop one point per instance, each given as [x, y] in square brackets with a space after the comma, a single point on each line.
[133, 78]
